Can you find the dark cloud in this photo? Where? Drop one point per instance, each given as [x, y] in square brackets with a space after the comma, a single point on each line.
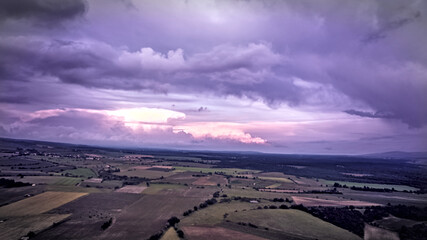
[370, 114]
[390, 26]
[43, 11]
[202, 109]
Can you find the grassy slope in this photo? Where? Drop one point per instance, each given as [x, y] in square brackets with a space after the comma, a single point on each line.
[293, 222]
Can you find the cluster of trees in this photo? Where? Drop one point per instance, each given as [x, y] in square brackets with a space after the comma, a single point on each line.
[327, 191]
[172, 222]
[282, 200]
[201, 206]
[10, 183]
[107, 224]
[248, 224]
[365, 188]
[244, 177]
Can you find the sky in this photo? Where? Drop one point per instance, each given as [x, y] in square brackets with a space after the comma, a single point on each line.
[288, 76]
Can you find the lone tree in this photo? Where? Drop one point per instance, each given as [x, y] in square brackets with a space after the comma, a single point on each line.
[173, 220]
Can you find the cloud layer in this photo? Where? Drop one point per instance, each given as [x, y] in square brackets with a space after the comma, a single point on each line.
[363, 58]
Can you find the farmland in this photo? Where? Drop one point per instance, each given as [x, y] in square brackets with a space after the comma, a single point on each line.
[100, 193]
[38, 204]
[16, 227]
[293, 223]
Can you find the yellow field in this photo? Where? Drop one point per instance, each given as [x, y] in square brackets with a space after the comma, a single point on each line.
[17, 227]
[38, 204]
[276, 179]
[276, 185]
[170, 234]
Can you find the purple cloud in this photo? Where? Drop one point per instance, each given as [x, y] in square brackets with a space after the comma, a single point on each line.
[363, 58]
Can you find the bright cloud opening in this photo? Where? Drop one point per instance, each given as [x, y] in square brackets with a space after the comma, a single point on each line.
[231, 131]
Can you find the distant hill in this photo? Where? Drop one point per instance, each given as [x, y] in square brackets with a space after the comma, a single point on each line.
[398, 155]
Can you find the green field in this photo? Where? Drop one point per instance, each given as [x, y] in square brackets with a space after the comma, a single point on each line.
[17, 227]
[278, 179]
[157, 188]
[214, 214]
[292, 222]
[371, 185]
[150, 174]
[38, 204]
[228, 171]
[81, 172]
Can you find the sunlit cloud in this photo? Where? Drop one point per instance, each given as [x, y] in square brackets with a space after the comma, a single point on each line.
[219, 130]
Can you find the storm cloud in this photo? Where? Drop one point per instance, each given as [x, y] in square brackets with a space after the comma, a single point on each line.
[362, 60]
[48, 12]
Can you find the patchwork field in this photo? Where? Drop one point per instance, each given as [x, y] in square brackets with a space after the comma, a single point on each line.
[130, 194]
[38, 204]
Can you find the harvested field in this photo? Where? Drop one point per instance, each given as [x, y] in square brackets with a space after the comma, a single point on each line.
[293, 223]
[17, 227]
[375, 233]
[308, 201]
[38, 204]
[132, 189]
[193, 232]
